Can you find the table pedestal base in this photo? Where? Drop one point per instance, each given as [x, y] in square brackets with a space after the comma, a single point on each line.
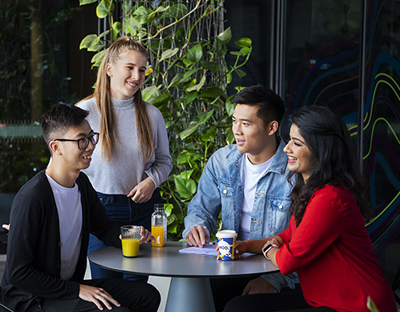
[190, 294]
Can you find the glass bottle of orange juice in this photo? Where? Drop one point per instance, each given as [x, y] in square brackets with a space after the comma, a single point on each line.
[158, 226]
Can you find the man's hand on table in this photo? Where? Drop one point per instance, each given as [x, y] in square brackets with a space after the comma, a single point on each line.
[259, 286]
[145, 235]
[97, 295]
[197, 236]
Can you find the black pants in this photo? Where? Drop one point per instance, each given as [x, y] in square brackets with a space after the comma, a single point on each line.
[225, 289]
[283, 301]
[133, 296]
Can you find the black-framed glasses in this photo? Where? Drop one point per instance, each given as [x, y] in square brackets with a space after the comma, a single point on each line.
[83, 142]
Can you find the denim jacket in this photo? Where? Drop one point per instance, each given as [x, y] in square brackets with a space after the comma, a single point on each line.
[220, 189]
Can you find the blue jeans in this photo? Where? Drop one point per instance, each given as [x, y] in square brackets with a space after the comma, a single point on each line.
[123, 211]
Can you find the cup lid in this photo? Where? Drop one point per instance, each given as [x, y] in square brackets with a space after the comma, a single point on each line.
[226, 233]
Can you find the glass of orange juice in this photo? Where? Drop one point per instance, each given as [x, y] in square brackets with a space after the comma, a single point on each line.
[130, 236]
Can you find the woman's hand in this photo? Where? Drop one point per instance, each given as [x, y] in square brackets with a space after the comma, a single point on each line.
[240, 248]
[142, 192]
[275, 240]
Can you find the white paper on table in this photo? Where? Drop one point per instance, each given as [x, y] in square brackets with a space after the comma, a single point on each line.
[208, 250]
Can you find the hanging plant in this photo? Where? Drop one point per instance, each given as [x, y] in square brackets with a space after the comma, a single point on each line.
[187, 80]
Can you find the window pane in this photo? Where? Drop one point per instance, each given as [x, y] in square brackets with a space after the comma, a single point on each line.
[381, 133]
[321, 56]
[40, 65]
[251, 19]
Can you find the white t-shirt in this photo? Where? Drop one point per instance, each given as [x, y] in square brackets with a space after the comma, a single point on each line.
[69, 207]
[251, 175]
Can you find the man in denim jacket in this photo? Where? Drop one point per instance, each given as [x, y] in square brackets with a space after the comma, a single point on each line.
[245, 182]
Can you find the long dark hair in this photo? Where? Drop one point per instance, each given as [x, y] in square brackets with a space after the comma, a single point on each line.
[335, 159]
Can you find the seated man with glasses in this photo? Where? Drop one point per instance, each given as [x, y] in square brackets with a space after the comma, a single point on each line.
[51, 218]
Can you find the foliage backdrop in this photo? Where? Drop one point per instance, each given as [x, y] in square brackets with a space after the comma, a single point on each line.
[187, 79]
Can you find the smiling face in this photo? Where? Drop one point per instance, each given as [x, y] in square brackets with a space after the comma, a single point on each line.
[126, 74]
[68, 153]
[252, 136]
[300, 158]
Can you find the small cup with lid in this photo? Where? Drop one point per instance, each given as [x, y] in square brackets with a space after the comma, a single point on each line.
[226, 244]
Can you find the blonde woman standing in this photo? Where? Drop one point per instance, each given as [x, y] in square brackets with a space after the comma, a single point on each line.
[133, 158]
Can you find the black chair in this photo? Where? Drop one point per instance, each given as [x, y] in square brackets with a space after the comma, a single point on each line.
[3, 308]
[3, 250]
[3, 247]
[3, 240]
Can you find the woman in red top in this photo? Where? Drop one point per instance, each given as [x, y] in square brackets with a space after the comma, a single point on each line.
[326, 242]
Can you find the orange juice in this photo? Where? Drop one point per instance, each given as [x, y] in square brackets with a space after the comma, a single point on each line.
[157, 231]
[130, 247]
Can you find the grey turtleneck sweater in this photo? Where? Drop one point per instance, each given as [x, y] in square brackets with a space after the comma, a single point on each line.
[127, 166]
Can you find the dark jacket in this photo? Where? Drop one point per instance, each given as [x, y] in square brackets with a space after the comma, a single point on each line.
[34, 254]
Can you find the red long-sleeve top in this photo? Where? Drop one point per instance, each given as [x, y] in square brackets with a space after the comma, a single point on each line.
[333, 255]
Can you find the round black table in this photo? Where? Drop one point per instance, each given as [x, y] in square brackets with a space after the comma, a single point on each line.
[190, 287]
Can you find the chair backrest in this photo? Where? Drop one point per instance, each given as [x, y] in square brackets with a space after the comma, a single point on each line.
[6, 200]
[3, 307]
